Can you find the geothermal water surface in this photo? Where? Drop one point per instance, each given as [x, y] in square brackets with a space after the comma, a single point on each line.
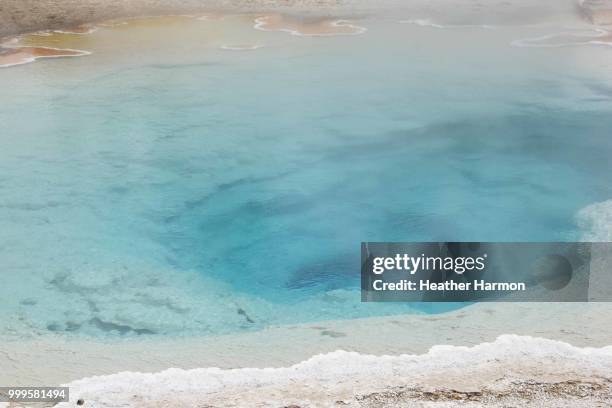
[212, 174]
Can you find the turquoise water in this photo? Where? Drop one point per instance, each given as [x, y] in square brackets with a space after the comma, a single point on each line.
[195, 190]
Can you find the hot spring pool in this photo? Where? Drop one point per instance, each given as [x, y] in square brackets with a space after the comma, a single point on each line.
[202, 177]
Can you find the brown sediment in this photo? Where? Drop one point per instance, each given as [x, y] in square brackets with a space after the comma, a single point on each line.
[597, 11]
[23, 55]
[603, 17]
[306, 27]
[599, 17]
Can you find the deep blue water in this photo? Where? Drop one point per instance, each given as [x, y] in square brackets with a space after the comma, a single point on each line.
[183, 195]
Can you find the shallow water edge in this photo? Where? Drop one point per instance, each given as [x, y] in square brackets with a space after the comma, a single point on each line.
[58, 359]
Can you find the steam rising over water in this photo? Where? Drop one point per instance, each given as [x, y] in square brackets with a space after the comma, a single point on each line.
[193, 190]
